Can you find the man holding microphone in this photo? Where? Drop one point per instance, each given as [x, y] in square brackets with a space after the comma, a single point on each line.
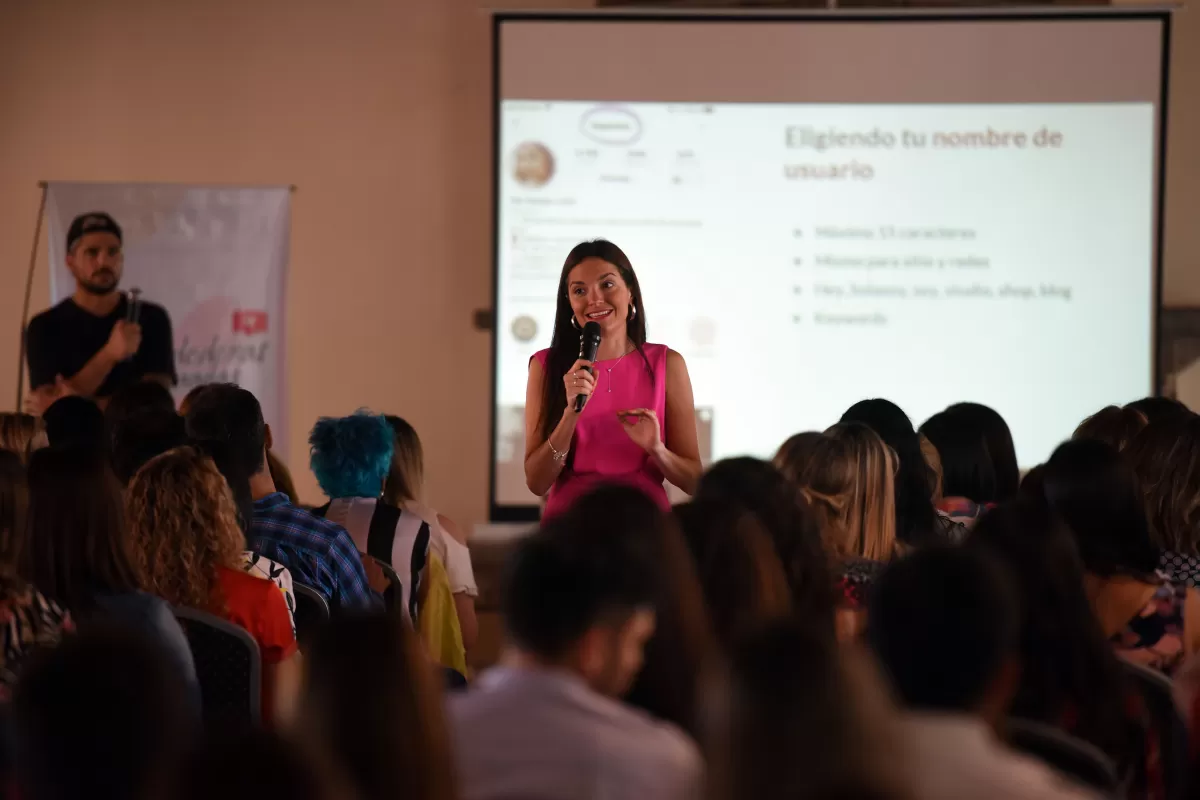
[93, 343]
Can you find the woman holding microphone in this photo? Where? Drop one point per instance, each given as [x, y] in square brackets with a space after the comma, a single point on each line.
[638, 423]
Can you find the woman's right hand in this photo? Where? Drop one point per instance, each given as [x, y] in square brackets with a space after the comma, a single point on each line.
[578, 380]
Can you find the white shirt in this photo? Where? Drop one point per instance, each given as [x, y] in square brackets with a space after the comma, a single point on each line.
[542, 733]
[956, 756]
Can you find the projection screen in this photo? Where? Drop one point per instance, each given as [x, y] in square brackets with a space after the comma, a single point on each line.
[822, 209]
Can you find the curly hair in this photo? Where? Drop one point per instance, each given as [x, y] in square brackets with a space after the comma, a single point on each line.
[351, 455]
[184, 528]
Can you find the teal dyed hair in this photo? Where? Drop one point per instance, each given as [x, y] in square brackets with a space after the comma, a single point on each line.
[351, 455]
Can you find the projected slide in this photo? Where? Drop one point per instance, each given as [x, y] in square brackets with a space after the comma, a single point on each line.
[803, 257]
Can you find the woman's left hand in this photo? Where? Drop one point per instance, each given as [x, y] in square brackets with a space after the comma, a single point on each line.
[642, 426]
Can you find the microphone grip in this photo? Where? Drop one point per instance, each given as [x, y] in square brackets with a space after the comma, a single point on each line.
[582, 398]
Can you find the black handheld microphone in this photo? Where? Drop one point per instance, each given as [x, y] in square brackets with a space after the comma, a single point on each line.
[589, 345]
[134, 309]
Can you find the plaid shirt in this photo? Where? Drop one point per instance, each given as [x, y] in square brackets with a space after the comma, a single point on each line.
[316, 551]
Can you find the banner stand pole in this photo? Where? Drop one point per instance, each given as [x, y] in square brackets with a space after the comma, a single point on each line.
[37, 235]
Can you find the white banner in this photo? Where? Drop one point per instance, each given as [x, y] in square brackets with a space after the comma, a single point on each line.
[215, 257]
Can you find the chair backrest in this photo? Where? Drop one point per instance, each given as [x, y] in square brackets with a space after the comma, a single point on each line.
[394, 592]
[1075, 758]
[1158, 694]
[228, 667]
[312, 611]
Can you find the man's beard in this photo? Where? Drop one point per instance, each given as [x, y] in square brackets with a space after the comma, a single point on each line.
[99, 289]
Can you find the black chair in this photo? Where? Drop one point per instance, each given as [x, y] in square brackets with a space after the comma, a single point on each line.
[228, 667]
[1075, 758]
[1158, 694]
[312, 611]
[394, 593]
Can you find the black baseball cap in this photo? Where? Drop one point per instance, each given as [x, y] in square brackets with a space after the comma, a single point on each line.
[91, 222]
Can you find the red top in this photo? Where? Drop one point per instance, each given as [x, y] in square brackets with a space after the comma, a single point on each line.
[258, 606]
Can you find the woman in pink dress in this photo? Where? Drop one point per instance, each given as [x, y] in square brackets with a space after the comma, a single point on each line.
[638, 425]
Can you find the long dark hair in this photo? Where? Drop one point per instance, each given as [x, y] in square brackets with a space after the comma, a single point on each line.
[988, 422]
[1091, 487]
[76, 543]
[564, 341]
[916, 520]
[1068, 669]
[967, 468]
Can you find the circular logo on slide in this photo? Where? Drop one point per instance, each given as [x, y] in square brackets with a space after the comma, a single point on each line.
[534, 164]
[524, 328]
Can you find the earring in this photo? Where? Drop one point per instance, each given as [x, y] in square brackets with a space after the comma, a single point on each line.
[632, 311]
[575, 324]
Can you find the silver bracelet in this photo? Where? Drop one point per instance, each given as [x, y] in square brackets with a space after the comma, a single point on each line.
[556, 456]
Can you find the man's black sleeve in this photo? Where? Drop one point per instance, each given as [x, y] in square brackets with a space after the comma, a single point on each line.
[157, 353]
[40, 353]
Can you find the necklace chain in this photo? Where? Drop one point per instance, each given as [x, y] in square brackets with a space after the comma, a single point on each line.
[614, 366]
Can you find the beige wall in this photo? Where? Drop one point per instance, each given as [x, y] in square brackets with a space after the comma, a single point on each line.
[379, 112]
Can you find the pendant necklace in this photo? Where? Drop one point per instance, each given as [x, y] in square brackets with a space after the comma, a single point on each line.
[614, 366]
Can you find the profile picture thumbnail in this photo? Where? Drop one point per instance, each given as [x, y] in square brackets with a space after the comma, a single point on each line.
[534, 164]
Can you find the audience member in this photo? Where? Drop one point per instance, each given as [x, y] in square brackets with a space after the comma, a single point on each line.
[794, 454]
[1166, 460]
[743, 581]
[403, 488]
[367, 678]
[848, 481]
[137, 398]
[988, 422]
[317, 552]
[945, 627]
[667, 686]
[796, 717]
[1070, 677]
[917, 522]
[76, 421]
[14, 502]
[1151, 620]
[1157, 408]
[255, 764]
[350, 457]
[28, 622]
[1113, 425]
[547, 724]
[187, 544]
[21, 434]
[969, 481]
[792, 523]
[141, 435]
[77, 552]
[102, 715]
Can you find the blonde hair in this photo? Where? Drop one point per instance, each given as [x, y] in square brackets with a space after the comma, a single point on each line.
[796, 452]
[407, 473]
[22, 434]
[847, 477]
[184, 528]
[933, 460]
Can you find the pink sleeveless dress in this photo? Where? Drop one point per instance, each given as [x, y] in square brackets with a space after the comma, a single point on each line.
[602, 452]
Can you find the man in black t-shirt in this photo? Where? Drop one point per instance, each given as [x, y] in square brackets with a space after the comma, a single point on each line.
[85, 345]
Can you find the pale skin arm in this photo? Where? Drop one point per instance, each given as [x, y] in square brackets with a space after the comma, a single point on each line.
[541, 470]
[464, 604]
[284, 677]
[679, 456]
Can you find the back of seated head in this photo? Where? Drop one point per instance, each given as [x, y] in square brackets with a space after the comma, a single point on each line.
[75, 544]
[137, 398]
[1165, 457]
[74, 421]
[1113, 425]
[253, 765]
[967, 469]
[742, 578]
[1092, 488]
[987, 422]
[407, 473]
[100, 715]
[796, 452]
[916, 519]
[1156, 408]
[231, 418]
[575, 574]
[142, 435]
[944, 625]
[21, 433]
[794, 715]
[351, 455]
